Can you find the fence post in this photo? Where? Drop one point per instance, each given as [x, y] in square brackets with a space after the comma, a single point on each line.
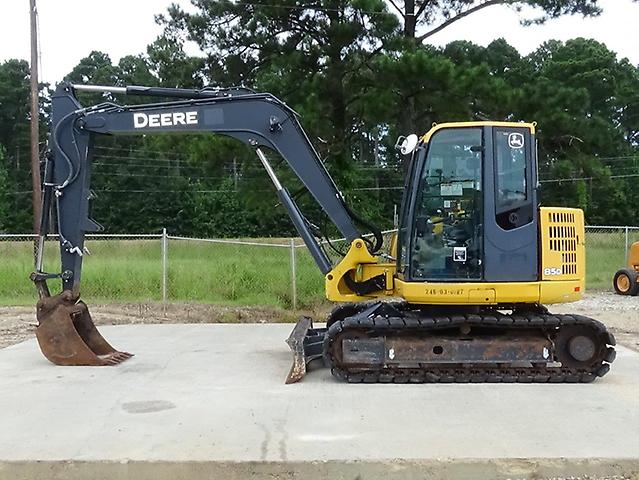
[626, 243]
[293, 276]
[165, 247]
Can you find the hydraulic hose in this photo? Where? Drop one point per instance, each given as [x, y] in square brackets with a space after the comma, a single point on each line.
[374, 229]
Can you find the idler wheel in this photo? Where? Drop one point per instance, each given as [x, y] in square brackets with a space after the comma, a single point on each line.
[578, 346]
[581, 348]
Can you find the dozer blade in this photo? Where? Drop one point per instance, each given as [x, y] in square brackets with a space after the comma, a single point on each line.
[306, 343]
[67, 335]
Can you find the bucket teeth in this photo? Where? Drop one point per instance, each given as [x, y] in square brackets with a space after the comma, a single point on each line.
[67, 335]
[116, 357]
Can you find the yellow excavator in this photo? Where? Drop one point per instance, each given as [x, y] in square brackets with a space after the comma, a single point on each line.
[457, 296]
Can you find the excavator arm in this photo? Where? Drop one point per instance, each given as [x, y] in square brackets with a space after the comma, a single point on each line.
[259, 120]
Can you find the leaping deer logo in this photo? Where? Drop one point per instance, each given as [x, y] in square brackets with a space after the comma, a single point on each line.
[516, 140]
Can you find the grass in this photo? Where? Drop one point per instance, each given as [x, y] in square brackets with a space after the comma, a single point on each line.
[131, 271]
[241, 274]
[605, 254]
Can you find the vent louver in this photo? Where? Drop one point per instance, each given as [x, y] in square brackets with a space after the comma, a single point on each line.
[563, 238]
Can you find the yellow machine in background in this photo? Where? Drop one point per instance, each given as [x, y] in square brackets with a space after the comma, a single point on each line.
[626, 280]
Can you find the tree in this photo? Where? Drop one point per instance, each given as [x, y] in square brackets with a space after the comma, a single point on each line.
[14, 136]
[4, 192]
[312, 56]
[583, 98]
[421, 20]
[14, 105]
[358, 84]
[172, 66]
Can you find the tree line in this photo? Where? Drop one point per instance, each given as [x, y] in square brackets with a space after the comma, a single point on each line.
[359, 73]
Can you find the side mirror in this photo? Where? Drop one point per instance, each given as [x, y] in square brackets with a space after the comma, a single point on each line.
[406, 145]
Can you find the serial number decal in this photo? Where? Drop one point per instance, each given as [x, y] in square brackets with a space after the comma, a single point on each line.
[445, 291]
[552, 271]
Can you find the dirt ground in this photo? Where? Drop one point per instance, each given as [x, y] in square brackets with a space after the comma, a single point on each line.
[620, 314]
[18, 323]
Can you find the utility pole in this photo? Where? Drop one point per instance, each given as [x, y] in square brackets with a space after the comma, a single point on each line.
[235, 174]
[35, 116]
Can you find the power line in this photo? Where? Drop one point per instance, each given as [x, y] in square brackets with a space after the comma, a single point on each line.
[559, 180]
[357, 189]
[574, 179]
[142, 165]
[187, 190]
[144, 159]
[634, 157]
[142, 150]
[143, 175]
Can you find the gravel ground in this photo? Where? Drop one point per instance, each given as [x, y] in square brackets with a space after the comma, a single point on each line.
[18, 323]
[588, 477]
[620, 314]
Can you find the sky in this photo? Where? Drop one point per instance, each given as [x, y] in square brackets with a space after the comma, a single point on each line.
[71, 29]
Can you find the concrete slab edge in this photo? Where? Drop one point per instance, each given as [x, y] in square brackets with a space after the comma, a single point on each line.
[450, 469]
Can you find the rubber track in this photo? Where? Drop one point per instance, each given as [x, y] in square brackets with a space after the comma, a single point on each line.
[476, 373]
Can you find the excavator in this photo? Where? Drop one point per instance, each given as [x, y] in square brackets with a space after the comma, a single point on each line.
[458, 296]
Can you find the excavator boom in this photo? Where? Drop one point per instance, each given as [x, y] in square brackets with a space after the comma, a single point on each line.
[66, 333]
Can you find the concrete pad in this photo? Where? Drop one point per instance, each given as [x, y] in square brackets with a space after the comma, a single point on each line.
[205, 401]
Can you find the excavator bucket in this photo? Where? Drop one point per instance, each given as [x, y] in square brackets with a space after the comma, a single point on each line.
[307, 344]
[67, 335]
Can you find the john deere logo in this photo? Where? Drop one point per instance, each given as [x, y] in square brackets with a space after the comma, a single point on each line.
[516, 140]
[142, 120]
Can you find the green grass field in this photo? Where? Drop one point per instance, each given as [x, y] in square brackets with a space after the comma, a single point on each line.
[131, 271]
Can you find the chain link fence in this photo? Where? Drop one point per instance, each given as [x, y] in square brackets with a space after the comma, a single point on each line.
[606, 252]
[273, 271]
[167, 268]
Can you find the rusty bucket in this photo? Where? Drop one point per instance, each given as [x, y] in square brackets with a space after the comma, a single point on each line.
[67, 335]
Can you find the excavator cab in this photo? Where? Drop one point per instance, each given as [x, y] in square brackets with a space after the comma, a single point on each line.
[470, 210]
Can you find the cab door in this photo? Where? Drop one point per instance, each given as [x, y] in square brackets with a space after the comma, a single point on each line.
[445, 234]
[510, 214]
